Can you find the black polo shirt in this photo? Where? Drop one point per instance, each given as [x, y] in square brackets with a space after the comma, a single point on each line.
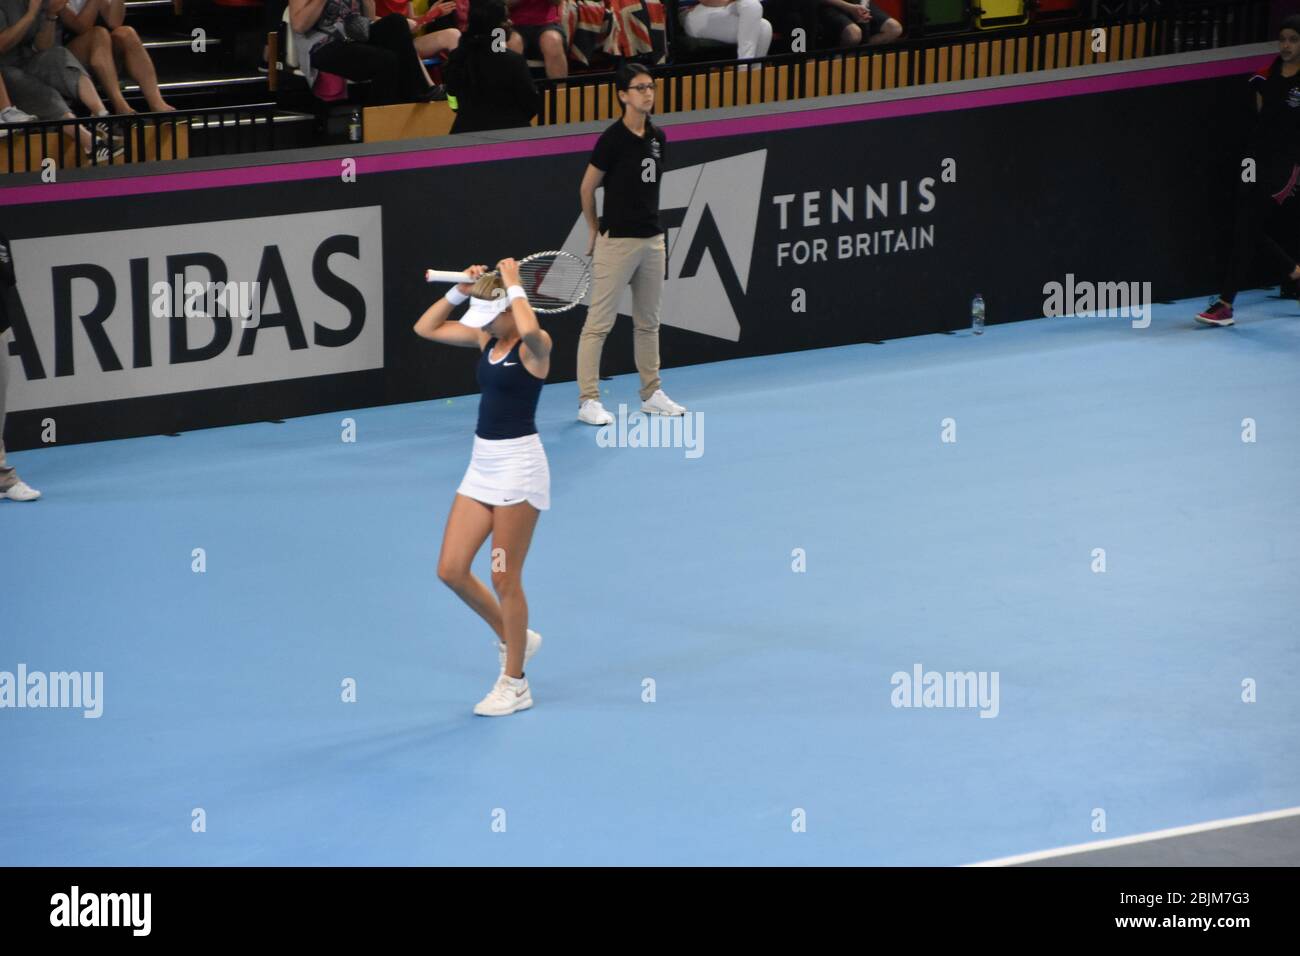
[1277, 133]
[633, 166]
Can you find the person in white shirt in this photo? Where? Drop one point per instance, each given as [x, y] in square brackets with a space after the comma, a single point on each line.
[730, 21]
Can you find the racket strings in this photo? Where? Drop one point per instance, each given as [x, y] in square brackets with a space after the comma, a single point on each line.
[554, 281]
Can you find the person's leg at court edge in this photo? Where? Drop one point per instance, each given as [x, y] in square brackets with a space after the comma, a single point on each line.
[11, 486]
[647, 293]
[611, 268]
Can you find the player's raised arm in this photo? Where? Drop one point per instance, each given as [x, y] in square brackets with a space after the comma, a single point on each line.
[433, 323]
[530, 331]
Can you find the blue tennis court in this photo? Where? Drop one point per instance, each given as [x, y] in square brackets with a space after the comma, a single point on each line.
[774, 689]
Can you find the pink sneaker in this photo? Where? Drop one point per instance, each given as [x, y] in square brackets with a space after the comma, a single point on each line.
[1218, 313]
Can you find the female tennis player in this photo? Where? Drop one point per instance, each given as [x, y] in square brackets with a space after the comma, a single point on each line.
[508, 482]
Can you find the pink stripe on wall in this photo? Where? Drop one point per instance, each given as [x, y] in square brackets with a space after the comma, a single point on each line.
[944, 102]
[581, 143]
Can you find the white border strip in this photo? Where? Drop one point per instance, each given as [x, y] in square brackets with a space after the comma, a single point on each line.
[1141, 837]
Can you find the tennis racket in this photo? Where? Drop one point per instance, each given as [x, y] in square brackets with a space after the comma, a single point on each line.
[554, 281]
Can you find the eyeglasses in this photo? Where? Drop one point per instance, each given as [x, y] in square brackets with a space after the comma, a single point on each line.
[642, 87]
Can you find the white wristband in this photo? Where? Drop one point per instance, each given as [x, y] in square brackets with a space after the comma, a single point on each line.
[455, 296]
[516, 292]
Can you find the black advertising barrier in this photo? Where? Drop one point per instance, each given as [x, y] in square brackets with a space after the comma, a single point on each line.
[866, 218]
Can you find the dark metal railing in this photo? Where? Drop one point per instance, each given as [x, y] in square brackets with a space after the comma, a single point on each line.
[139, 137]
[1133, 30]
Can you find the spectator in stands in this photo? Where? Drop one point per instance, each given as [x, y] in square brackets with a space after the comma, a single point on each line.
[730, 21]
[103, 49]
[491, 82]
[11, 486]
[39, 74]
[338, 36]
[847, 24]
[538, 23]
[461, 21]
[10, 113]
[462, 16]
[437, 42]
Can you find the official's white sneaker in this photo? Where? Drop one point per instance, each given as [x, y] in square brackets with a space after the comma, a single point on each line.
[661, 404]
[531, 645]
[593, 413]
[20, 491]
[507, 695]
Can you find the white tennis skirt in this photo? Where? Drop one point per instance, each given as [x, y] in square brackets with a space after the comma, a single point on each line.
[507, 471]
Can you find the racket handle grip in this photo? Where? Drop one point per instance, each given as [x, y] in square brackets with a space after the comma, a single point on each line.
[436, 275]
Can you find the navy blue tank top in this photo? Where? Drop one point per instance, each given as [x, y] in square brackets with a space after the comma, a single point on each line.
[508, 403]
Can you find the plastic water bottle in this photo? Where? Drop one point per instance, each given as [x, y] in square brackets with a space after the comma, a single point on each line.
[977, 314]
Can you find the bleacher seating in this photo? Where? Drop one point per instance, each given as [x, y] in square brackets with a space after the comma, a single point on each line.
[937, 17]
[223, 74]
[994, 14]
[209, 55]
[1040, 10]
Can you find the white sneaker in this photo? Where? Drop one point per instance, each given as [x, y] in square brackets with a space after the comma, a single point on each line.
[20, 491]
[507, 695]
[12, 114]
[593, 413]
[531, 645]
[661, 404]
